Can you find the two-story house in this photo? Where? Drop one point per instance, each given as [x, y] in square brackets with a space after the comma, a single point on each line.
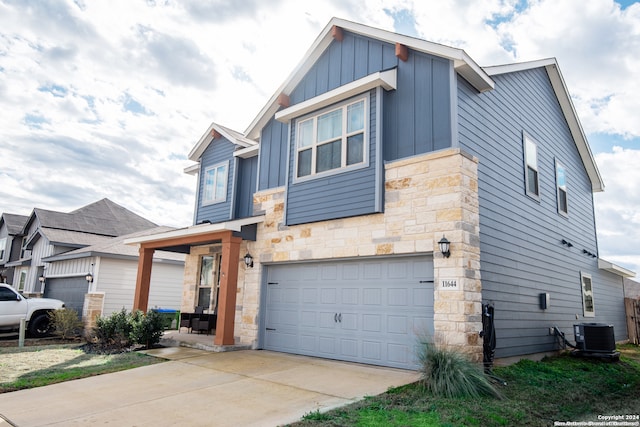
[397, 188]
[11, 226]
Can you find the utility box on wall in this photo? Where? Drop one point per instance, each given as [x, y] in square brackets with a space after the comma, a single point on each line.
[545, 301]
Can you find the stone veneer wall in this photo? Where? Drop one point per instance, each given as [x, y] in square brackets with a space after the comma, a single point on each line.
[426, 197]
[91, 310]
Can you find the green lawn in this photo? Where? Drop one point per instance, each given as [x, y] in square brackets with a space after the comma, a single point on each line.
[563, 388]
[29, 367]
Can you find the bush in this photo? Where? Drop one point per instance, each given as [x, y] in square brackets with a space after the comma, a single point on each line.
[65, 323]
[121, 330]
[147, 329]
[447, 373]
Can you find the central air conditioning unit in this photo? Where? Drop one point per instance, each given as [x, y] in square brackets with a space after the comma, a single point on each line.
[595, 338]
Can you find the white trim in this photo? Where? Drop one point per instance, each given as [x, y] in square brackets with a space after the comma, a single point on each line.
[193, 169]
[206, 202]
[615, 269]
[526, 138]
[559, 164]
[248, 152]
[566, 105]
[386, 79]
[464, 65]
[233, 136]
[196, 230]
[582, 291]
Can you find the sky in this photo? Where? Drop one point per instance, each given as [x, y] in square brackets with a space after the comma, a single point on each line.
[105, 98]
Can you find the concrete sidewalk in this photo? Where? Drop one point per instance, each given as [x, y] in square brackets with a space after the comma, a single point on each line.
[199, 388]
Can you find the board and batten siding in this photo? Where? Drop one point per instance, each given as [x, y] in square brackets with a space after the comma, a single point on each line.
[416, 115]
[71, 267]
[338, 195]
[245, 186]
[219, 151]
[117, 279]
[521, 248]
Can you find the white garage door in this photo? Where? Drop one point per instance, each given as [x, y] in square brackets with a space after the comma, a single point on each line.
[369, 311]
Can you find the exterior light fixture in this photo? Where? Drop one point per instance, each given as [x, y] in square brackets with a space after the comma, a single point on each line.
[41, 279]
[444, 247]
[248, 260]
[89, 277]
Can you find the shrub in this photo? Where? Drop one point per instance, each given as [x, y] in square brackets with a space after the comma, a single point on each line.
[113, 331]
[65, 323]
[448, 373]
[121, 330]
[147, 328]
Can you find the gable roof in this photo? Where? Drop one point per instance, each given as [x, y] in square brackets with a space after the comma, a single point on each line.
[114, 247]
[103, 217]
[568, 110]
[214, 130]
[14, 223]
[462, 63]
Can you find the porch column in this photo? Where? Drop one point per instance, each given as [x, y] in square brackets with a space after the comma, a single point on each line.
[228, 289]
[143, 280]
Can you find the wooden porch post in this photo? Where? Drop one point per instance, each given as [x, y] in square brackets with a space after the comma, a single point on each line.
[143, 280]
[228, 289]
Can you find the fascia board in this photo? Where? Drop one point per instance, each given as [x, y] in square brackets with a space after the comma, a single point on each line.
[385, 79]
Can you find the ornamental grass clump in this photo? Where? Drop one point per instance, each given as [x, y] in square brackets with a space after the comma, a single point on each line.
[447, 373]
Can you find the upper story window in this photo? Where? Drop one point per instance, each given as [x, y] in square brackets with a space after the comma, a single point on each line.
[531, 164]
[332, 140]
[215, 183]
[3, 247]
[24, 252]
[561, 189]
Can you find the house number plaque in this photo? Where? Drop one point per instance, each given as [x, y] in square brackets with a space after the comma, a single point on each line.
[449, 285]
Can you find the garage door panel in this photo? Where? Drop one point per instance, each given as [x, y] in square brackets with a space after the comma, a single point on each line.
[363, 311]
[71, 290]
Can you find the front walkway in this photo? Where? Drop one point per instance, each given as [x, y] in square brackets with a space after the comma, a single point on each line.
[173, 338]
[199, 388]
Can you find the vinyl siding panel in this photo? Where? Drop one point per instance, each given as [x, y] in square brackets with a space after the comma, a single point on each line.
[219, 151]
[71, 267]
[520, 238]
[117, 279]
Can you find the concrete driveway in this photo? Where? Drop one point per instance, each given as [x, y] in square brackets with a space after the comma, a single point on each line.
[199, 388]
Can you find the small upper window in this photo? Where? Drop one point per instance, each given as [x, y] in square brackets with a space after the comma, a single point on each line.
[332, 140]
[3, 247]
[215, 184]
[587, 296]
[531, 164]
[561, 189]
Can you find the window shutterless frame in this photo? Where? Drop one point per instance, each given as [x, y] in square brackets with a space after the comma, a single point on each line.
[531, 178]
[332, 140]
[588, 307]
[214, 185]
[562, 194]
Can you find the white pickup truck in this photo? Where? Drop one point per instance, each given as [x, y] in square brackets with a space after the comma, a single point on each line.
[35, 311]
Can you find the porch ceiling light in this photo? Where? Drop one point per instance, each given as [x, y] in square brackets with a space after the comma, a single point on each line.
[248, 260]
[89, 277]
[444, 247]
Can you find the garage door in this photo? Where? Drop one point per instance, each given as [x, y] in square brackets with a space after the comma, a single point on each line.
[71, 290]
[370, 311]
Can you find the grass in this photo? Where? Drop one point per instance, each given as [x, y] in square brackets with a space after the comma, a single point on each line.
[562, 388]
[28, 367]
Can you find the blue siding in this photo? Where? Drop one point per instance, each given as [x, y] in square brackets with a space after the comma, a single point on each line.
[520, 238]
[273, 155]
[336, 196]
[218, 151]
[246, 186]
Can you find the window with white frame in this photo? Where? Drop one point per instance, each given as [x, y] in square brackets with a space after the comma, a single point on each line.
[3, 248]
[531, 165]
[588, 307]
[561, 189]
[215, 183]
[332, 140]
[22, 280]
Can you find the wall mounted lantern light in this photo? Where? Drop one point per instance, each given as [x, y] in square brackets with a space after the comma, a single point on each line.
[89, 277]
[248, 260]
[444, 247]
[41, 279]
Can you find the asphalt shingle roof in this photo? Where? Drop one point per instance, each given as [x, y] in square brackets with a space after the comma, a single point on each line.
[14, 222]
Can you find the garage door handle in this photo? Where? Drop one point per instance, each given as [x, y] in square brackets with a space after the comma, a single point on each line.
[426, 281]
[271, 329]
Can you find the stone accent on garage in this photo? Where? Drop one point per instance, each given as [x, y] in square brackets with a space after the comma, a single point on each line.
[426, 197]
[92, 309]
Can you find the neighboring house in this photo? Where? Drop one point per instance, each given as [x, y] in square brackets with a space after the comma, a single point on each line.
[106, 273]
[374, 150]
[631, 289]
[48, 233]
[10, 243]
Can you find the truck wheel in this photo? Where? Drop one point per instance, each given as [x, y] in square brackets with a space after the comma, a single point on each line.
[40, 326]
